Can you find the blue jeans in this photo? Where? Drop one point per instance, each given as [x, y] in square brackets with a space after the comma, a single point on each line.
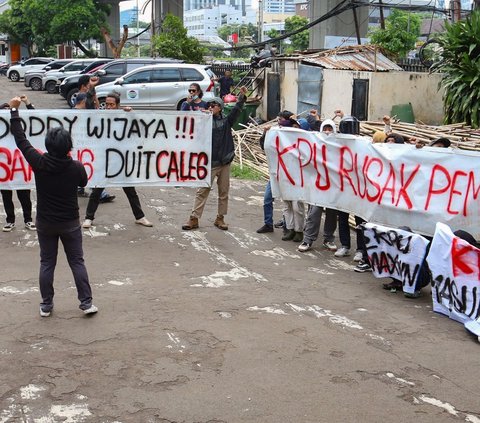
[268, 205]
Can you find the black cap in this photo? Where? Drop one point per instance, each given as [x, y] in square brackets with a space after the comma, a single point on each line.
[442, 140]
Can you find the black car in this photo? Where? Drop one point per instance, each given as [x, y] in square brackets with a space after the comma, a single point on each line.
[110, 72]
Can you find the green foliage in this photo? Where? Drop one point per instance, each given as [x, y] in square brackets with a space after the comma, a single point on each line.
[460, 65]
[174, 42]
[400, 34]
[14, 23]
[245, 172]
[298, 41]
[49, 22]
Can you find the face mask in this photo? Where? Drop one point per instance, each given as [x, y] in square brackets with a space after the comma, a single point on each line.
[194, 97]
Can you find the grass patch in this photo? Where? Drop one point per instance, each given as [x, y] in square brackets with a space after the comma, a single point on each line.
[245, 173]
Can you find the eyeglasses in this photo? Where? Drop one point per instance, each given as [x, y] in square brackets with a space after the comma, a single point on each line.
[192, 91]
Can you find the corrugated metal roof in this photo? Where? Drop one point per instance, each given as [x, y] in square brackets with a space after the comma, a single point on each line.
[360, 58]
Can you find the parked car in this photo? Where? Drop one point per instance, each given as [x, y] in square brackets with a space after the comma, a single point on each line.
[5, 66]
[108, 73]
[163, 86]
[51, 80]
[33, 78]
[17, 72]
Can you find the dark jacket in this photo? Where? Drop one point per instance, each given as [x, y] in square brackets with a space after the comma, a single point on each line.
[223, 148]
[56, 179]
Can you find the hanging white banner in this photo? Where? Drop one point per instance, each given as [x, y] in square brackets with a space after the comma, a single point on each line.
[455, 267]
[395, 253]
[117, 148]
[389, 184]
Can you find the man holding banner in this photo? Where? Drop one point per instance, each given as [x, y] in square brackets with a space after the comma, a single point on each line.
[112, 102]
[223, 152]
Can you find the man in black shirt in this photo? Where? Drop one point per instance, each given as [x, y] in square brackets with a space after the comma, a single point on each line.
[57, 177]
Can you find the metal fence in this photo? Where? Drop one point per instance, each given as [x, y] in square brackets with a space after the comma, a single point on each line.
[220, 69]
[412, 65]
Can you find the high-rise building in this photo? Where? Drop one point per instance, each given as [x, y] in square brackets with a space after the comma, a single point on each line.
[278, 6]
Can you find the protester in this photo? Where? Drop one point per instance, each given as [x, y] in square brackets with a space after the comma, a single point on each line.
[57, 177]
[314, 214]
[81, 104]
[226, 83]
[23, 195]
[194, 100]
[223, 152]
[112, 102]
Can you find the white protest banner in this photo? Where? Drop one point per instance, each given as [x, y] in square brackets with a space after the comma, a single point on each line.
[395, 253]
[388, 184]
[117, 148]
[455, 267]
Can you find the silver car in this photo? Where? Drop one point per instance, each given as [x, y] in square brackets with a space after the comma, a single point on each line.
[51, 79]
[163, 86]
[33, 77]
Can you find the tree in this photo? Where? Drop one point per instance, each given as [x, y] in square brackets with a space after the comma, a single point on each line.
[47, 22]
[298, 41]
[174, 42]
[401, 32]
[460, 64]
[14, 23]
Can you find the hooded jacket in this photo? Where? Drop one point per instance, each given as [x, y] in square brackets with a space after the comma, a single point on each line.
[328, 122]
[56, 179]
[223, 149]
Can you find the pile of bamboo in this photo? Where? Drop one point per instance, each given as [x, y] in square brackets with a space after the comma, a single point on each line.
[249, 153]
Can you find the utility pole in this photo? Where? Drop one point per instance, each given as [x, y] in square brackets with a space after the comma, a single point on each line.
[152, 28]
[457, 10]
[382, 16]
[138, 26]
[260, 21]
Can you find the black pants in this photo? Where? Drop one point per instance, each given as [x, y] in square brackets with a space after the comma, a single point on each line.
[131, 194]
[72, 245]
[24, 198]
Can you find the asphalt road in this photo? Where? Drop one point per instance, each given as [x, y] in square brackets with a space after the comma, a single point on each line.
[219, 326]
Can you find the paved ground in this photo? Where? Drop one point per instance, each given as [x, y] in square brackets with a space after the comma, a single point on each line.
[213, 326]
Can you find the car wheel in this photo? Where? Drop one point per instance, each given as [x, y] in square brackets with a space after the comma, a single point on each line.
[36, 84]
[179, 105]
[14, 76]
[51, 87]
[72, 96]
[101, 103]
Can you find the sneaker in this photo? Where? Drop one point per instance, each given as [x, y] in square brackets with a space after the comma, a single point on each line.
[45, 313]
[107, 199]
[264, 229]
[358, 256]
[87, 223]
[90, 310]
[30, 226]
[82, 193]
[414, 294]
[363, 267]
[144, 222]
[330, 246]
[279, 224]
[8, 227]
[304, 246]
[393, 286]
[342, 252]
